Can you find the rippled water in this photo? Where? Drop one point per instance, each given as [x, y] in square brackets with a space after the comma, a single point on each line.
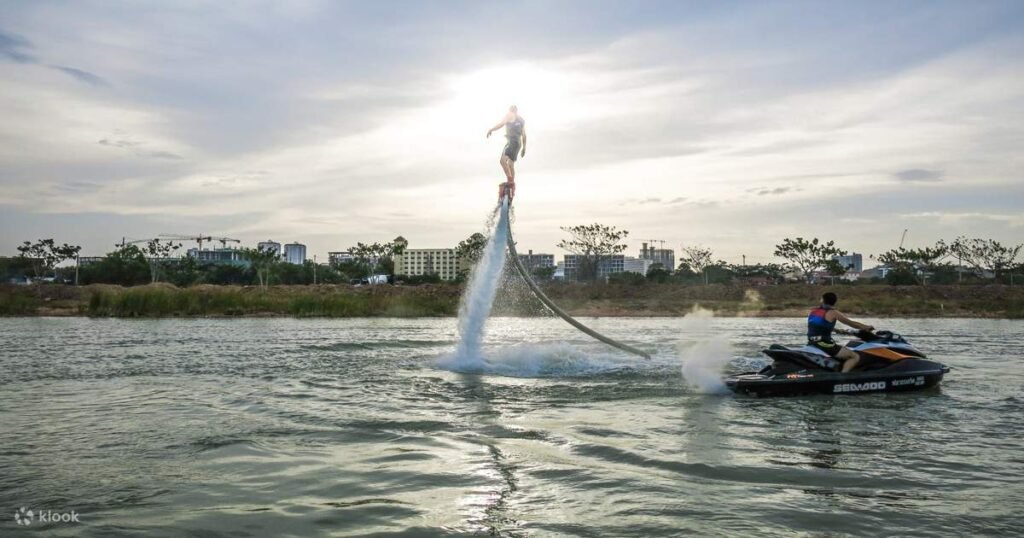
[282, 427]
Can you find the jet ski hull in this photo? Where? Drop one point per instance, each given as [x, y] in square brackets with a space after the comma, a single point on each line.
[905, 375]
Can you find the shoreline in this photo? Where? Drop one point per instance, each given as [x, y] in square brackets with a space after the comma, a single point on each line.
[442, 300]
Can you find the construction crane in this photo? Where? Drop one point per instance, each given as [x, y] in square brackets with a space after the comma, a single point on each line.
[904, 238]
[652, 242]
[125, 242]
[225, 240]
[197, 238]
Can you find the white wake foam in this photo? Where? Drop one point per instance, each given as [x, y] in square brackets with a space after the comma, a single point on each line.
[539, 360]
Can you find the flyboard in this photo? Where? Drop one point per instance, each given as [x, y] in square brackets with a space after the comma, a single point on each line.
[521, 269]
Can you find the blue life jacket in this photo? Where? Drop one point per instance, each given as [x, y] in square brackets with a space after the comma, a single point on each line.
[818, 326]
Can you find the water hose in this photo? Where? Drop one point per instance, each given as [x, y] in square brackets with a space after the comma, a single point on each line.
[558, 311]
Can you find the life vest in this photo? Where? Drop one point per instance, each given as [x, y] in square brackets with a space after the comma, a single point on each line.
[818, 326]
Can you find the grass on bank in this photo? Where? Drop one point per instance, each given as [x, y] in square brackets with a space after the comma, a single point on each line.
[165, 300]
[299, 301]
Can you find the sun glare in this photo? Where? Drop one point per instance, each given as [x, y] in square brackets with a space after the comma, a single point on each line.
[481, 97]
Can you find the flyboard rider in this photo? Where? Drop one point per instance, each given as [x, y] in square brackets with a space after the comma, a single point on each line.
[515, 147]
[820, 324]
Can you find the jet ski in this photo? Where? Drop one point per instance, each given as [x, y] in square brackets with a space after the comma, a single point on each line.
[888, 363]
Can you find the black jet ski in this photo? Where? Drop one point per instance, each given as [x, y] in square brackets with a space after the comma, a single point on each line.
[888, 363]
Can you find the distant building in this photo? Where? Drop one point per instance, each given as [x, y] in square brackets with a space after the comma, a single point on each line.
[295, 253]
[853, 262]
[536, 261]
[217, 256]
[875, 272]
[637, 265]
[665, 256]
[269, 246]
[338, 257]
[606, 266]
[442, 262]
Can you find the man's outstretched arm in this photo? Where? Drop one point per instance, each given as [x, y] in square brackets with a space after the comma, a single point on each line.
[499, 125]
[851, 323]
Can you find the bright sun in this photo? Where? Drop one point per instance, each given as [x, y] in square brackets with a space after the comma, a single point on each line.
[482, 97]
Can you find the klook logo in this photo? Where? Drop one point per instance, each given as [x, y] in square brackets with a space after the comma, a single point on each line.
[25, 516]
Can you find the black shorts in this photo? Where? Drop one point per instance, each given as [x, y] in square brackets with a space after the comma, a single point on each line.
[512, 150]
[830, 348]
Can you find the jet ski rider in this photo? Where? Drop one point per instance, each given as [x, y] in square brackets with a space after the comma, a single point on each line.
[820, 324]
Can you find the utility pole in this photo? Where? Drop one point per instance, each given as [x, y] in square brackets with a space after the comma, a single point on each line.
[314, 269]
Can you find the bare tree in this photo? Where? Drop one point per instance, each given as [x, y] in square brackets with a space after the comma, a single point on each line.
[157, 253]
[698, 259]
[986, 254]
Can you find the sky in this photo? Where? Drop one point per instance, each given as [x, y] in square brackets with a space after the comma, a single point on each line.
[726, 125]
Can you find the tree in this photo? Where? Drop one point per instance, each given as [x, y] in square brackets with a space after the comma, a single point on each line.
[157, 253]
[834, 269]
[657, 273]
[543, 273]
[772, 271]
[45, 254]
[263, 261]
[125, 266]
[914, 263]
[471, 249]
[986, 254]
[807, 256]
[696, 259]
[592, 243]
[377, 257]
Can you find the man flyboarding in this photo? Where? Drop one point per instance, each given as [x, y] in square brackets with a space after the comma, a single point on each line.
[515, 147]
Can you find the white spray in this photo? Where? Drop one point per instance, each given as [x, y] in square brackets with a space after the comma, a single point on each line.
[704, 358]
[479, 297]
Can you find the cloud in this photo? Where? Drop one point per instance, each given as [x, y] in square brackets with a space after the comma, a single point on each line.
[918, 174]
[1015, 220]
[371, 119]
[765, 191]
[137, 148]
[81, 75]
[12, 47]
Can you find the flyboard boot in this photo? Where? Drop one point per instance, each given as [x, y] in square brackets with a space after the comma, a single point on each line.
[506, 187]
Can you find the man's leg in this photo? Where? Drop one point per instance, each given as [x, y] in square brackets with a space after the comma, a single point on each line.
[850, 359]
[506, 166]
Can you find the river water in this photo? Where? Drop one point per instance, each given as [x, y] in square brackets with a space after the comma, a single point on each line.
[286, 427]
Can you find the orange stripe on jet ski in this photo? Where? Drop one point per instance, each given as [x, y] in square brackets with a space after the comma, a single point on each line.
[885, 353]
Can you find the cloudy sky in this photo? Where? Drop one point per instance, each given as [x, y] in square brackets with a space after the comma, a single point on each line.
[729, 125]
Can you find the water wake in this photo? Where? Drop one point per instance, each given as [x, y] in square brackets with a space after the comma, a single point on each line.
[543, 360]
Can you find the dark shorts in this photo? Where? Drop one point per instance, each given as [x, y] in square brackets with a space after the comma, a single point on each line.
[830, 348]
[512, 150]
